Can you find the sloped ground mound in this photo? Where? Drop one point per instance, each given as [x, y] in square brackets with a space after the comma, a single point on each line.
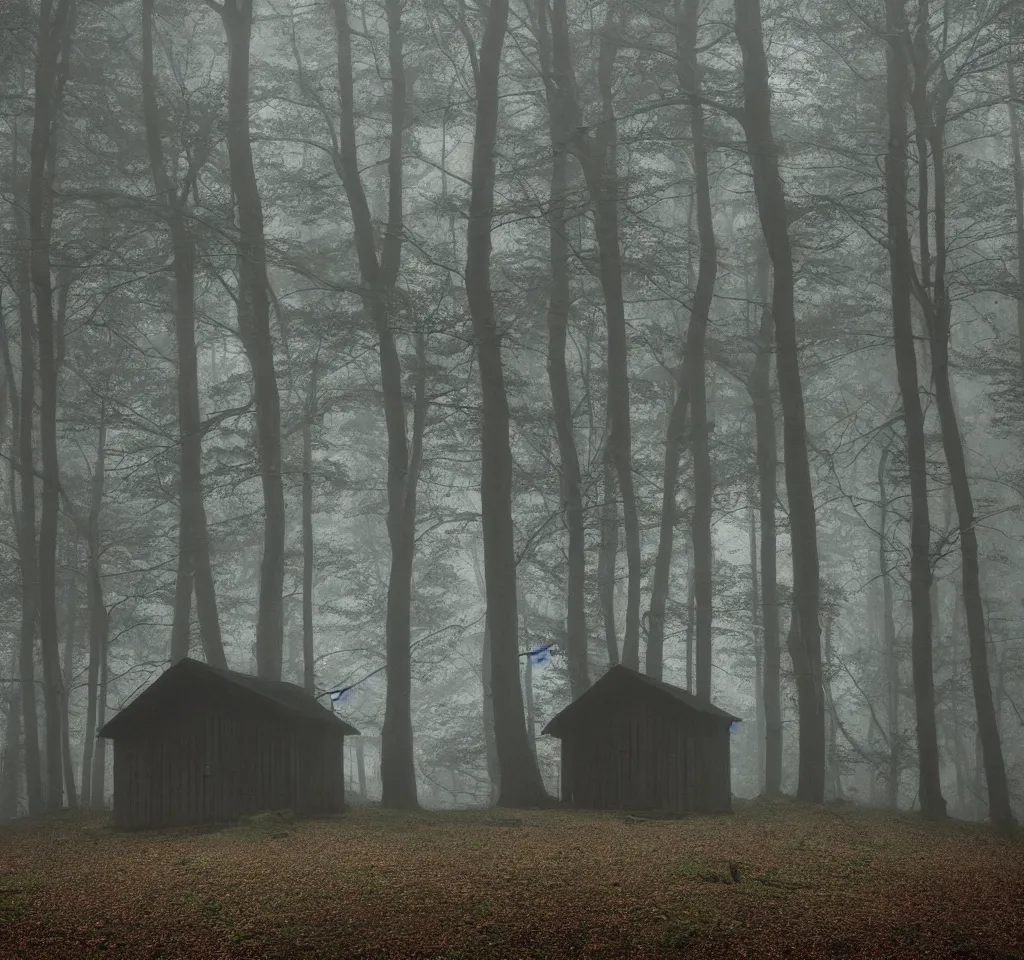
[773, 880]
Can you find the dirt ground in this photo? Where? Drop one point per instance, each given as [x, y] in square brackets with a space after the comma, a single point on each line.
[771, 880]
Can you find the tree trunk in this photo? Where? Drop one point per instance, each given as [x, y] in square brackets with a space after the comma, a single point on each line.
[254, 320]
[194, 568]
[771, 203]
[891, 653]
[52, 52]
[361, 767]
[758, 635]
[691, 389]
[308, 666]
[521, 783]
[98, 623]
[10, 760]
[930, 110]
[767, 467]
[835, 778]
[379, 275]
[598, 159]
[700, 527]
[99, 757]
[689, 625]
[558, 377]
[26, 529]
[1018, 199]
[70, 644]
[900, 261]
[608, 558]
[490, 747]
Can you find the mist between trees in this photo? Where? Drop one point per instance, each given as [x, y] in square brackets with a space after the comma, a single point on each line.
[405, 337]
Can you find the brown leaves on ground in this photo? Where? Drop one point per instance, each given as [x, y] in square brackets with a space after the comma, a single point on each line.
[772, 880]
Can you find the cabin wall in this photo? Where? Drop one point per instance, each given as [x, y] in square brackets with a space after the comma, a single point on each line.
[638, 755]
[210, 763]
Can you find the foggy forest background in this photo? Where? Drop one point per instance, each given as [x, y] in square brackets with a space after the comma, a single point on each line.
[406, 336]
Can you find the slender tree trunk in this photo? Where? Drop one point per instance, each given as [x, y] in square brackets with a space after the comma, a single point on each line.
[26, 529]
[932, 803]
[1018, 198]
[690, 618]
[99, 757]
[10, 760]
[380, 275]
[608, 558]
[521, 783]
[52, 52]
[194, 568]
[361, 767]
[767, 468]
[891, 653]
[598, 157]
[771, 203]
[930, 112]
[70, 643]
[558, 377]
[308, 667]
[98, 623]
[758, 634]
[254, 319]
[691, 389]
[835, 777]
[700, 528]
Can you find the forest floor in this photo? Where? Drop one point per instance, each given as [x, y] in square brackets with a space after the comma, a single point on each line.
[772, 880]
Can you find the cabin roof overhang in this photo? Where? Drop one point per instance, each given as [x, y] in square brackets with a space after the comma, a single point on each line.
[278, 695]
[621, 681]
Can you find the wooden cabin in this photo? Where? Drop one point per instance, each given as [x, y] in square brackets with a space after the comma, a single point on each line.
[205, 745]
[634, 743]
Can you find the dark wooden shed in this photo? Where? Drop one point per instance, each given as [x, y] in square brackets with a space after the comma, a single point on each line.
[634, 743]
[204, 745]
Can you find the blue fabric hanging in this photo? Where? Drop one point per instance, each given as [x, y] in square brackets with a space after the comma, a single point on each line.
[540, 656]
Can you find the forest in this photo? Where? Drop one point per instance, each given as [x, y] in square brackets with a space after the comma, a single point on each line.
[437, 355]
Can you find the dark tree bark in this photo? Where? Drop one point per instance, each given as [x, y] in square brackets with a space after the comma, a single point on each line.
[900, 263]
[690, 389]
[254, 323]
[10, 760]
[890, 651]
[493, 766]
[1018, 197]
[556, 85]
[930, 288]
[22, 417]
[689, 626]
[308, 664]
[758, 632]
[98, 623]
[598, 158]
[696, 337]
[70, 645]
[608, 558]
[380, 275]
[834, 769]
[521, 783]
[759, 387]
[53, 48]
[194, 568]
[772, 210]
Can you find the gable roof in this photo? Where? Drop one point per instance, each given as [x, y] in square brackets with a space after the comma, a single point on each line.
[620, 678]
[285, 697]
